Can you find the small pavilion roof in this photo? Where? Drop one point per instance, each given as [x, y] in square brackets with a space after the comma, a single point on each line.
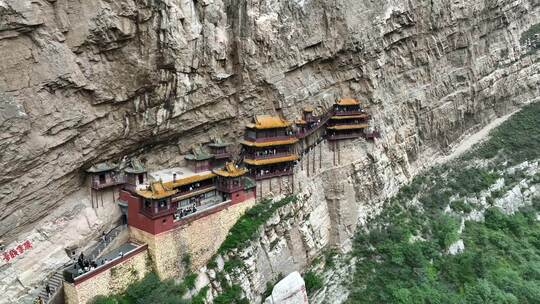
[135, 167]
[348, 102]
[308, 109]
[102, 167]
[219, 143]
[269, 161]
[268, 122]
[230, 170]
[198, 153]
[157, 190]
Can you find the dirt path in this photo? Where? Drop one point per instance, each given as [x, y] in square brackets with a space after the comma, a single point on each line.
[473, 139]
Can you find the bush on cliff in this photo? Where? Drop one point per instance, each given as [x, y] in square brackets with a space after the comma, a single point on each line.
[247, 226]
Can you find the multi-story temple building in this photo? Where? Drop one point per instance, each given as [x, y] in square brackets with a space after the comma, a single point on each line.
[348, 120]
[269, 147]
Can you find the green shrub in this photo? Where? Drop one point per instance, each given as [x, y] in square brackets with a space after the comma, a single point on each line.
[313, 282]
[460, 206]
[190, 279]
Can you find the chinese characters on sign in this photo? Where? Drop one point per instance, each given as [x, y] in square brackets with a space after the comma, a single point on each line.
[12, 253]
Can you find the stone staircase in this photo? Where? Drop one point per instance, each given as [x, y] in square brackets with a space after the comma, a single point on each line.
[55, 283]
[56, 280]
[96, 251]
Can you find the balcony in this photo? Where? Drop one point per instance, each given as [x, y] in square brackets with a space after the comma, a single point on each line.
[98, 185]
[230, 188]
[344, 136]
[269, 175]
[268, 156]
[196, 191]
[148, 213]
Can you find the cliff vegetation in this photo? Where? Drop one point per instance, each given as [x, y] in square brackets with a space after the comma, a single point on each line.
[464, 232]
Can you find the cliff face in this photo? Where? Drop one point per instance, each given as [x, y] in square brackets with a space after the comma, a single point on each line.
[87, 81]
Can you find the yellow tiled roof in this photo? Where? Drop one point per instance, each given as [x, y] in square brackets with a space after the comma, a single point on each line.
[269, 161]
[268, 122]
[359, 116]
[290, 141]
[308, 109]
[230, 170]
[189, 180]
[348, 102]
[157, 191]
[348, 127]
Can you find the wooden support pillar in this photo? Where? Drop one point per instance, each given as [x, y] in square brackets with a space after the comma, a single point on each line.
[280, 181]
[339, 153]
[307, 157]
[320, 155]
[270, 184]
[292, 183]
[314, 162]
[334, 151]
[92, 197]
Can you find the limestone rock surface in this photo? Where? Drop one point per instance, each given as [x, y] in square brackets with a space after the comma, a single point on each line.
[290, 290]
[87, 81]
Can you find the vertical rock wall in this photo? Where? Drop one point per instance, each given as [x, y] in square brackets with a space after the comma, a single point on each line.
[86, 81]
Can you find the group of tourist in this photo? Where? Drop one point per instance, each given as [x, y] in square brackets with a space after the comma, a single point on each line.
[184, 212]
[84, 265]
[268, 152]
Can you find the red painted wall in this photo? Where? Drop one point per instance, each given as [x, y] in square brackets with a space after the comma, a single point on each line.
[166, 223]
[240, 196]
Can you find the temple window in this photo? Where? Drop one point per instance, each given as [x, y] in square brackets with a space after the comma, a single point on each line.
[141, 178]
[102, 178]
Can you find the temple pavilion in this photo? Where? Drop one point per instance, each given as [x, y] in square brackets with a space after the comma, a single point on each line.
[233, 183]
[348, 120]
[221, 154]
[199, 160]
[103, 176]
[269, 147]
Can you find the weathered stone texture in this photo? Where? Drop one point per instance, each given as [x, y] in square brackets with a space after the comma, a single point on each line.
[86, 81]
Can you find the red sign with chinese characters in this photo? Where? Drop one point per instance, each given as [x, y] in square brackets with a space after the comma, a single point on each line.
[12, 253]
